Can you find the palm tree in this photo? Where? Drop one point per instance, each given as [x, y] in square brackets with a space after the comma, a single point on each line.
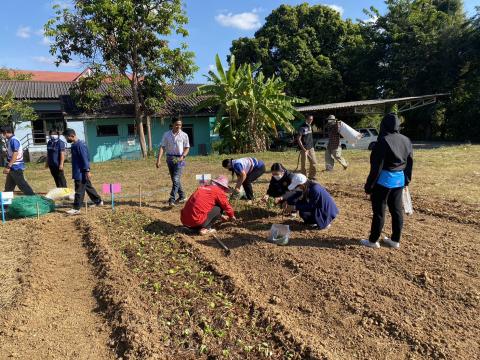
[250, 107]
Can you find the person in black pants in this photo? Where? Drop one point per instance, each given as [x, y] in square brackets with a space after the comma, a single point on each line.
[56, 158]
[81, 173]
[391, 164]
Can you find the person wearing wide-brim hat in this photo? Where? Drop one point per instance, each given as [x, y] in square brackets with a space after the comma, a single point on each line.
[315, 205]
[206, 205]
[334, 149]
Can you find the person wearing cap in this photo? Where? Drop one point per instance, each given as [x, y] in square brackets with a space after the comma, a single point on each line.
[206, 205]
[334, 149]
[247, 170]
[56, 158]
[391, 164]
[15, 164]
[313, 202]
[307, 148]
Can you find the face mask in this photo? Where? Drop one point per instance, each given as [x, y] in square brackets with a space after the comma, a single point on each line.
[54, 137]
[277, 177]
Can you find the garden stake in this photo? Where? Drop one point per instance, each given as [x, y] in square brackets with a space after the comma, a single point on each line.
[86, 207]
[224, 247]
[112, 196]
[140, 195]
[3, 208]
[38, 212]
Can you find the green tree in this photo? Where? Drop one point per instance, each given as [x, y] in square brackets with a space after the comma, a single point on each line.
[417, 52]
[13, 111]
[320, 56]
[130, 36]
[251, 107]
[463, 113]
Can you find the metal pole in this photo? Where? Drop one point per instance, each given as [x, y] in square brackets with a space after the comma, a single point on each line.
[3, 208]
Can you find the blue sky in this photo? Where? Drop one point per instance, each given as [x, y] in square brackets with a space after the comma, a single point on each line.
[213, 25]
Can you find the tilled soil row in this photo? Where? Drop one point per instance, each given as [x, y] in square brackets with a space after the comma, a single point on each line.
[125, 308]
[137, 332]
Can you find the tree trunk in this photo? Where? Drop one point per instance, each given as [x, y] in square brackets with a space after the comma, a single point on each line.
[139, 117]
[149, 133]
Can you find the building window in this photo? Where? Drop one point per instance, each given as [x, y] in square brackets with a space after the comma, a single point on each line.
[132, 129]
[48, 120]
[107, 130]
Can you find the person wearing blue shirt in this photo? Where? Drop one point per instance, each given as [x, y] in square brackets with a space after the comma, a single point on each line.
[81, 173]
[55, 158]
[247, 170]
[15, 164]
[313, 202]
[391, 163]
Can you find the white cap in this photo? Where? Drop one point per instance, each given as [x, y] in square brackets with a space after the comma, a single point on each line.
[297, 179]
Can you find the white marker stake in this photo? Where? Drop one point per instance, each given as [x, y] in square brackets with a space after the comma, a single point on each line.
[5, 199]
[203, 179]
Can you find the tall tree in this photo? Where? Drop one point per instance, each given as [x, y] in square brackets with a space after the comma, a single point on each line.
[131, 36]
[313, 50]
[250, 106]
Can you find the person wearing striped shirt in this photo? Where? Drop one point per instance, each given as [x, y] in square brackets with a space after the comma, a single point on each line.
[247, 170]
[15, 164]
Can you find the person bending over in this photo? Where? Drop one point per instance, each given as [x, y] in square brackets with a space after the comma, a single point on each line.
[206, 205]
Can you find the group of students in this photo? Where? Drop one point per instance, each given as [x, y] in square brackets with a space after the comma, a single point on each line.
[391, 163]
[14, 169]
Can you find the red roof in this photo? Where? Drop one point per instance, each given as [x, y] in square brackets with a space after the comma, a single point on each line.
[54, 76]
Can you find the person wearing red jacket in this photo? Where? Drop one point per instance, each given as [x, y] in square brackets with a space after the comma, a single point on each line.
[207, 204]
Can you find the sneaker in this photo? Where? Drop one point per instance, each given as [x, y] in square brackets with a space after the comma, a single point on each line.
[205, 231]
[100, 204]
[72, 212]
[391, 243]
[181, 201]
[171, 203]
[313, 226]
[368, 243]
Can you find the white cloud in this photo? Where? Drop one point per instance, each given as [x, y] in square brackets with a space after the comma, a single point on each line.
[337, 8]
[24, 32]
[242, 21]
[371, 20]
[49, 60]
[212, 67]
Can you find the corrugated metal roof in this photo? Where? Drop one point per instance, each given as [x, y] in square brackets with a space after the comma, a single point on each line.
[352, 104]
[35, 90]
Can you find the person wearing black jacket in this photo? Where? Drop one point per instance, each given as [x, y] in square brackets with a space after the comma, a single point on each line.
[391, 163]
[281, 179]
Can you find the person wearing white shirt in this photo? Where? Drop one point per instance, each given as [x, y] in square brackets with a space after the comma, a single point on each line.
[176, 145]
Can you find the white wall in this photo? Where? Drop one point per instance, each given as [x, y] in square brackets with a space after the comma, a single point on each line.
[78, 126]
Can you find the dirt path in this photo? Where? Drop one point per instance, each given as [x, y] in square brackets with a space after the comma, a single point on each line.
[57, 318]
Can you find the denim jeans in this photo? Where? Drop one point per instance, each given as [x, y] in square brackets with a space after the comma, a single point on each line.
[175, 170]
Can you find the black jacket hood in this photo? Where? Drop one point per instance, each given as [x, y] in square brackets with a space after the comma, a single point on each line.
[390, 124]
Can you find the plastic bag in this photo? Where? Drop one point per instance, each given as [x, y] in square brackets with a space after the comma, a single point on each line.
[279, 234]
[58, 194]
[407, 201]
[350, 134]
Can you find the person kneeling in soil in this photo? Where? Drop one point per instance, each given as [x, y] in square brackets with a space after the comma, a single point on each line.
[206, 205]
[247, 170]
[281, 179]
[391, 163]
[315, 205]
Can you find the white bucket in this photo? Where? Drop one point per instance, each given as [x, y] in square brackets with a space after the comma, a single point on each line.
[279, 234]
[349, 134]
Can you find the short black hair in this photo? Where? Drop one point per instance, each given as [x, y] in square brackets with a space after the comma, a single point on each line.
[69, 132]
[6, 129]
[225, 162]
[277, 167]
[54, 131]
[176, 118]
